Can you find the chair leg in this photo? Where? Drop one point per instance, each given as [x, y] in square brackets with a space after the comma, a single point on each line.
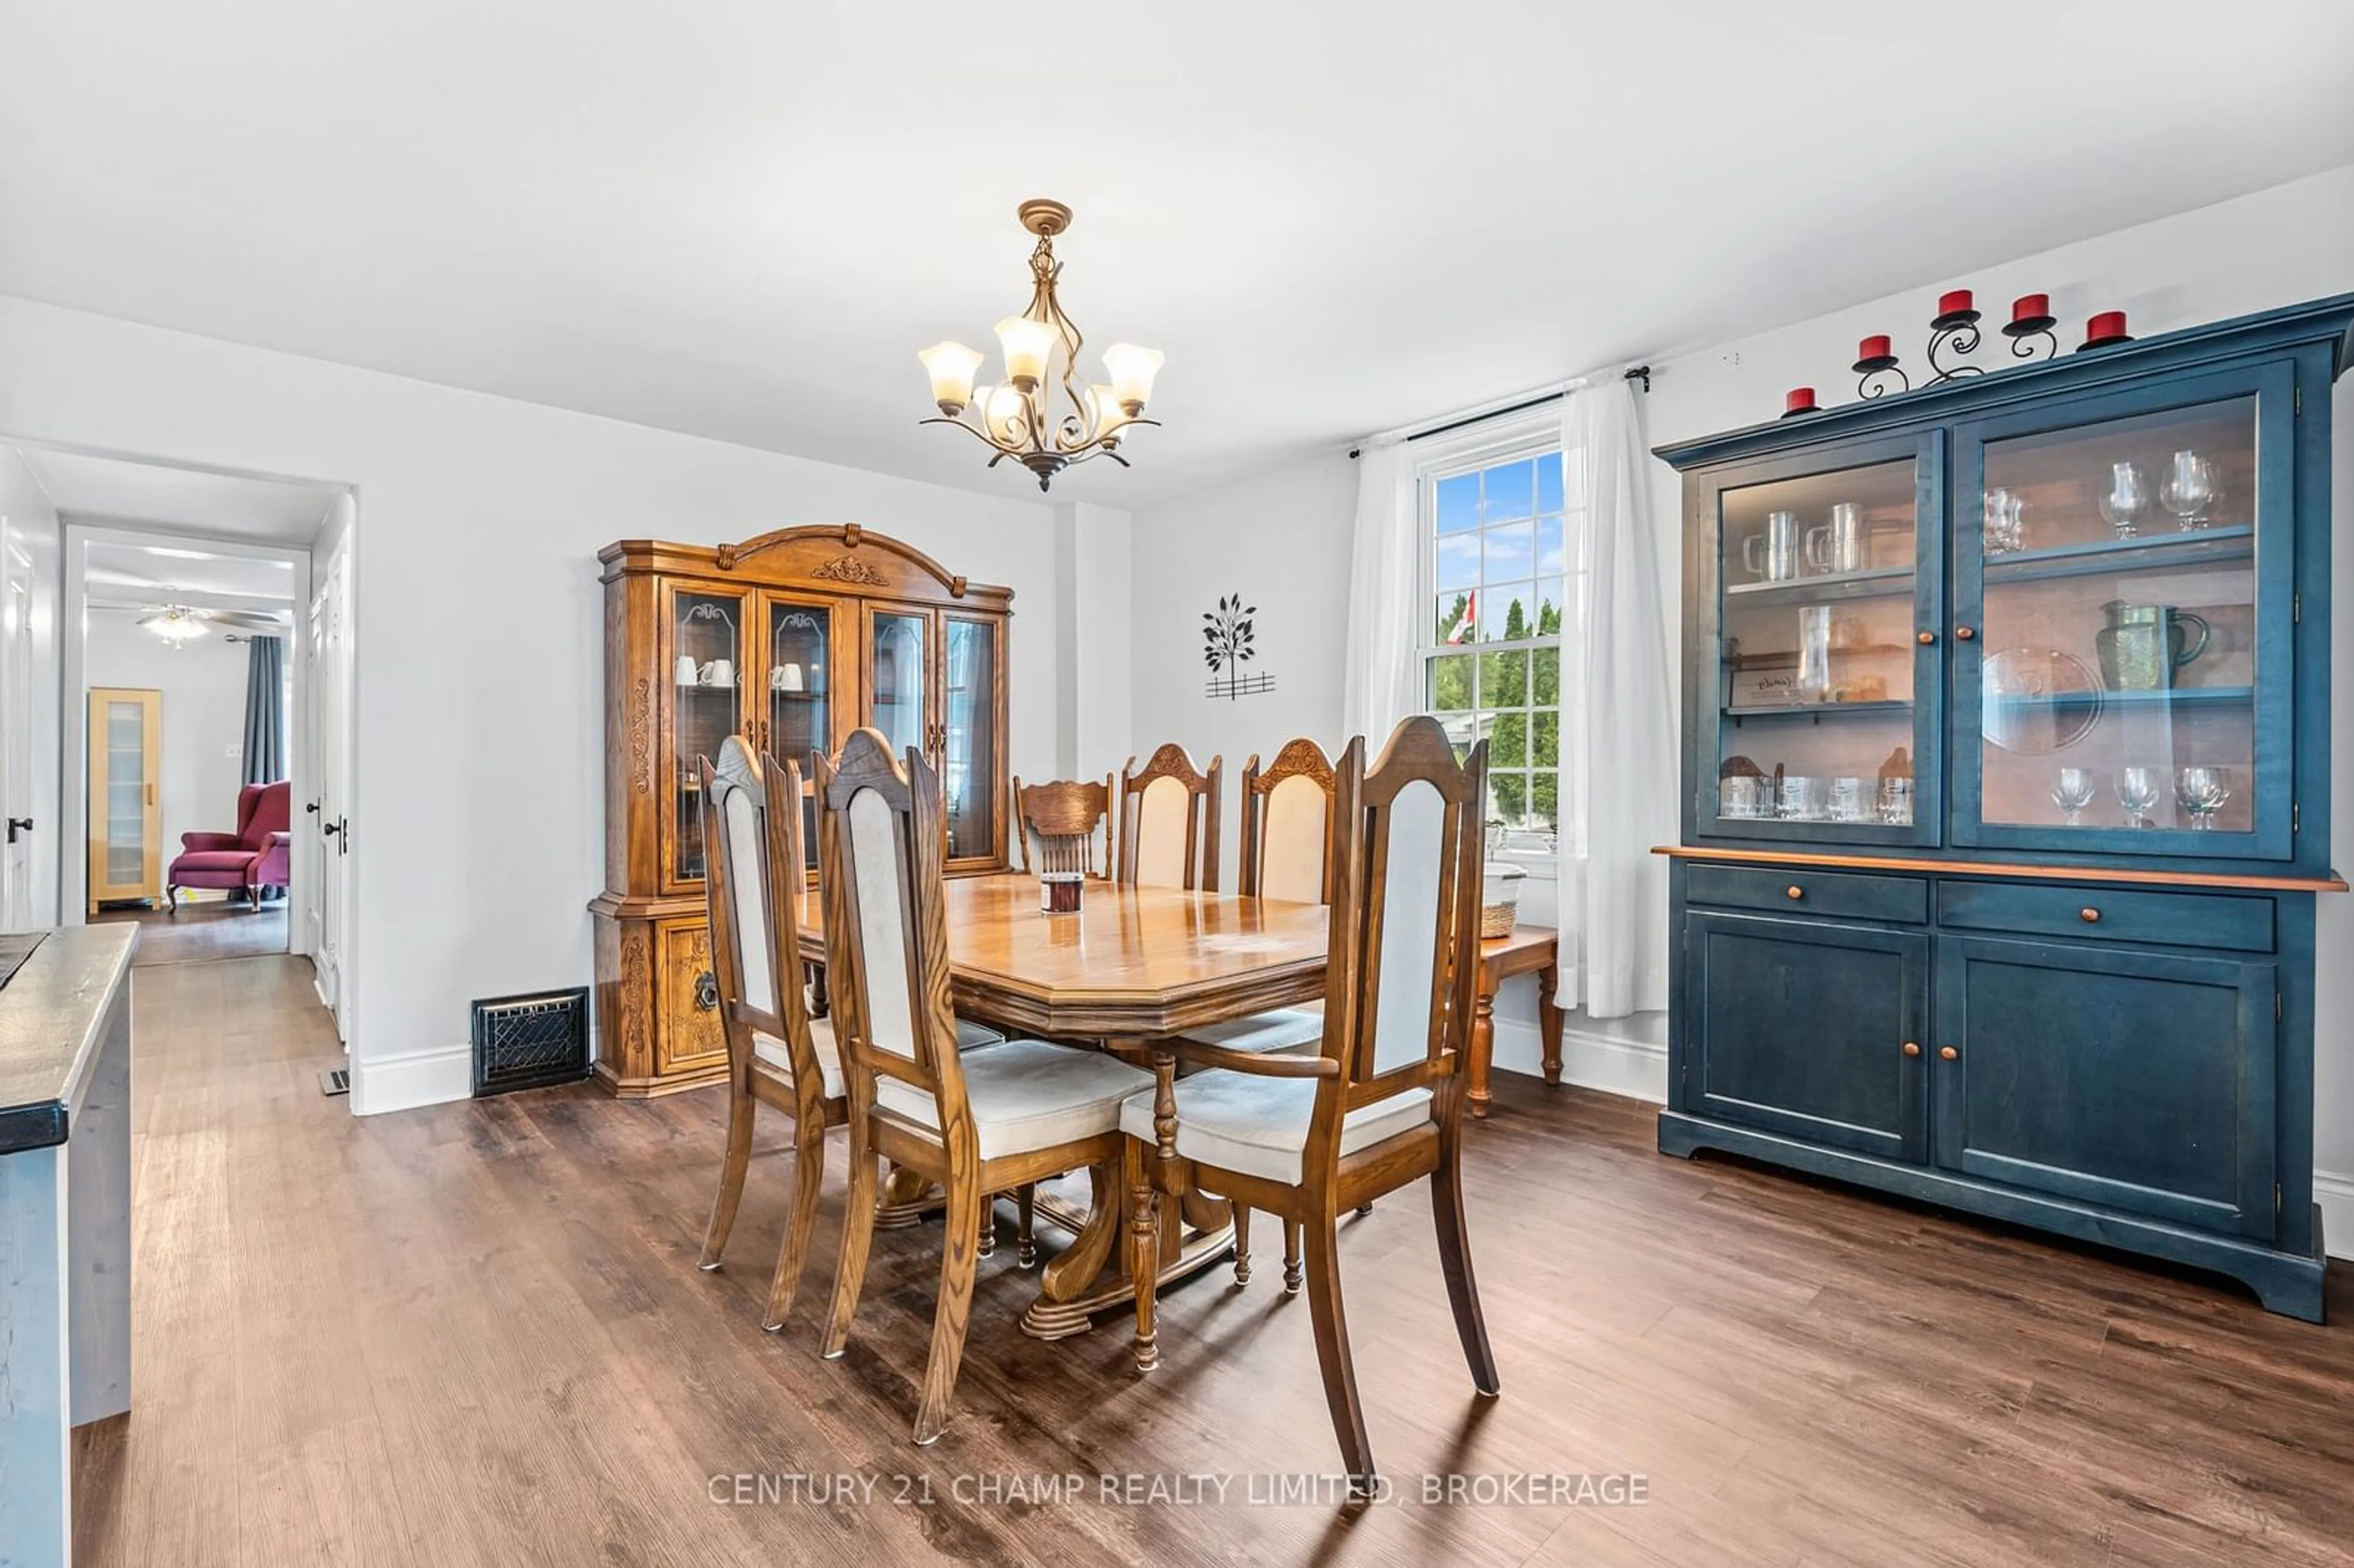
[857, 1236]
[1242, 1244]
[172, 901]
[1455, 1261]
[959, 1261]
[741, 1108]
[1143, 1250]
[985, 1243]
[808, 1176]
[1292, 1267]
[1332, 1351]
[1025, 1233]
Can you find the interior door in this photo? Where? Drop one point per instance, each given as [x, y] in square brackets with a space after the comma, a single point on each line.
[126, 806]
[17, 901]
[329, 731]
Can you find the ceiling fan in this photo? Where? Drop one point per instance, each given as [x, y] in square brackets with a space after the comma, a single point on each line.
[179, 623]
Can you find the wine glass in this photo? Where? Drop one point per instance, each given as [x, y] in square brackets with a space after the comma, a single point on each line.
[2137, 790]
[2190, 490]
[2073, 793]
[2202, 791]
[2128, 501]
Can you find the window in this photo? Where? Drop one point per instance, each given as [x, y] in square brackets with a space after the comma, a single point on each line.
[1495, 566]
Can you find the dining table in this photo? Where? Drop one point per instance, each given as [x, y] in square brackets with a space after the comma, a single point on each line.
[1133, 972]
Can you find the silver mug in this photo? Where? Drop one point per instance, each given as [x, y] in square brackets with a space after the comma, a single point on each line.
[1838, 545]
[1780, 547]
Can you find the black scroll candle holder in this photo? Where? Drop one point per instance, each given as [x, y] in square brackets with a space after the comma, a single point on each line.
[1954, 331]
[1878, 372]
[2030, 333]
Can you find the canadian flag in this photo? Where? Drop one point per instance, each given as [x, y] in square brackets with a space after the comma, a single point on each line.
[1460, 633]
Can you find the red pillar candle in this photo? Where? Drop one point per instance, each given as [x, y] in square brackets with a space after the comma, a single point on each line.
[1801, 400]
[2030, 307]
[2105, 328]
[1874, 347]
[1954, 303]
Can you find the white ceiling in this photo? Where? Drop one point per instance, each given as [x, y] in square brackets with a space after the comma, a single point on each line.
[87, 488]
[741, 218]
[170, 573]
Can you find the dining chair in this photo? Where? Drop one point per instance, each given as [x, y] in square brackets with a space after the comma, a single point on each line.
[1286, 853]
[994, 1120]
[1057, 823]
[1168, 822]
[1382, 1103]
[779, 1055]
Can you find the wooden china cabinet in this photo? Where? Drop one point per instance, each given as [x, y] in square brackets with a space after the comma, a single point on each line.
[2006, 794]
[792, 641]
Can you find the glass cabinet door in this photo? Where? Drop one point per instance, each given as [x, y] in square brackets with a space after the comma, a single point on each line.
[898, 677]
[969, 739]
[2116, 668]
[800, 695]
[1826, 697]
[706, 656]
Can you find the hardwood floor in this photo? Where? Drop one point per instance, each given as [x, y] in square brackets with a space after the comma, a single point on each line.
[200, 933]
[454, 1336]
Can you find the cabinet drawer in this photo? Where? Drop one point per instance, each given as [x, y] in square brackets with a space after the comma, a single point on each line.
[2116, 915]
[1800, 890]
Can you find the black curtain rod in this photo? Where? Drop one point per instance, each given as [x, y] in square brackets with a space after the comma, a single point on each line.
[1641, 373]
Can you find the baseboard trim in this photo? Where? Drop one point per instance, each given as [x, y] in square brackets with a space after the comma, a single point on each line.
[2334, 1194]
[1588, 1059]
[413, 1079]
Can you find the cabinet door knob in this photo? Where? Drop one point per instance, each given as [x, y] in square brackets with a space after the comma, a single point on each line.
[1946, 1053]
[2088, 914]
[1964, 633]
[1924, 637]
[1794, 891]
[1912, 1047]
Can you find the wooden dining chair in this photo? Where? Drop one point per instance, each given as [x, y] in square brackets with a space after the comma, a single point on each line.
[1057, 823]
[1381, 1104]
[1286, 853]
[993, 1120]
[777, 1054]
[1168, 822]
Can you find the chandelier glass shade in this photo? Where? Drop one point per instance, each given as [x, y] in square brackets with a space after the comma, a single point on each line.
[177, 623]
[1042, 415]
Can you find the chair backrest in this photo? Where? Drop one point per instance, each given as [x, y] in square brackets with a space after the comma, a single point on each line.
[1168, 822]
[263, 809]
[1058, 821]
[751, 818]
[1404, 946]
[881, 857]
[1288, 825]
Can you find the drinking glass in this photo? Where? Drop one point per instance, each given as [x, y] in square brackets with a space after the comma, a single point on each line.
[2127, 499]
[1741, 795]
[1802, 799]
[2073, 792]
[1850, 799]
[1779, 554]
[2137, 792]
[2202, 791]
[1896, 802]
[2006, 522]
[2190, 490]
[1815, 654]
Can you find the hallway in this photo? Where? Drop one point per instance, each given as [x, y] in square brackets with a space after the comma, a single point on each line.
[201, 933]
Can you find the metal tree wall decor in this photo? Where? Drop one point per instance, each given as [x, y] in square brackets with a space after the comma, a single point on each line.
[1227, 637]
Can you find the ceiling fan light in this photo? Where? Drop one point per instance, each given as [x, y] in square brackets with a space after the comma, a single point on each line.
[1133, 370]
[176, 623]
[1027, 343]
[951, 367]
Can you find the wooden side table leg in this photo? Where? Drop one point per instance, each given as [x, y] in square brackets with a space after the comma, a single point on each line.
[1483, 1043]
[1549, 1022]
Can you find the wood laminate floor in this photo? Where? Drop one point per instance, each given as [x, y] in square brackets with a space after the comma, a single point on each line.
[202, 932]
[475, 1334]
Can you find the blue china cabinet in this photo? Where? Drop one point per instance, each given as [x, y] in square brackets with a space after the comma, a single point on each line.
[2005, 797]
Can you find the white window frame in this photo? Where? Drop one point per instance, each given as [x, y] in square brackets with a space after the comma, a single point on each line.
[1470, 453]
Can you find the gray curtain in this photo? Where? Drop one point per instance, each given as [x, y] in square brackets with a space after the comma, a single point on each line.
[265, 711]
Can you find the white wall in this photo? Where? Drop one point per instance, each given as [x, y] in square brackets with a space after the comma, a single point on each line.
[1285, 536]
[478, 816]
[203, 683]
[33, 526]
[1094, 552]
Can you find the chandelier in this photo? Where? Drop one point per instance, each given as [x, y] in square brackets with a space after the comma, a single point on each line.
[1020, 418]
[176, 623]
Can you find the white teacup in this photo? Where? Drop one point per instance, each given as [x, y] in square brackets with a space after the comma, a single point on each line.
[719, 673]
[688, 673]
[785, 678]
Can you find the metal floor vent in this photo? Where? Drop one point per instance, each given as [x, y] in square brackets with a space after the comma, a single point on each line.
[334, 1080]
[526, 1041]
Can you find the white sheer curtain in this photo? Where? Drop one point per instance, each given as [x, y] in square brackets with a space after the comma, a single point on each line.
[1383, 682]
[1618, 779]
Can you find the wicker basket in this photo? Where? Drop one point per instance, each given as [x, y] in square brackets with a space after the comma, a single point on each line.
[1499, 899]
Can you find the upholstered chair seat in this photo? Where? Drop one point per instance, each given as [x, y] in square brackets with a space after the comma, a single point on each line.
[1260, 1126]
[1026, 1095]
[778, 1054]
[1280, 1029]
[973, 1036]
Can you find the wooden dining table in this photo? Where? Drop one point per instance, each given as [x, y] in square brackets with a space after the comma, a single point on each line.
[1132, 968]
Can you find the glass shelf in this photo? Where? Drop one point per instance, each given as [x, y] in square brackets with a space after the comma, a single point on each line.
[2212, 544]
[1894, 582]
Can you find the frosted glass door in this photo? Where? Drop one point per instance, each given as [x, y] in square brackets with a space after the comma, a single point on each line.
[125, 807]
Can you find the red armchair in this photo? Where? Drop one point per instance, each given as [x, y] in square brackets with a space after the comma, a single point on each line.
[251, 859]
